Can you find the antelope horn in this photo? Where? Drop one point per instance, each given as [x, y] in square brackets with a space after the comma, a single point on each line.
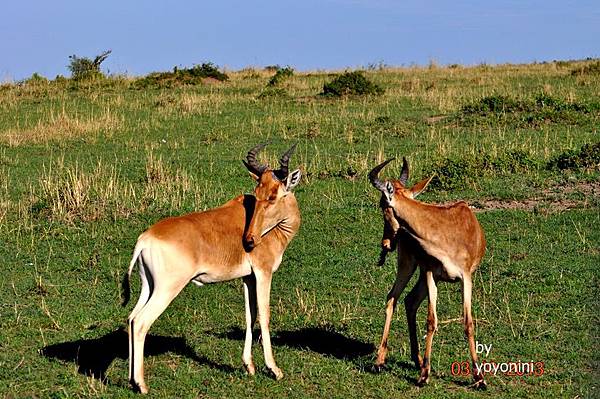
[374, 173]
[404, 173]
[283, 171]
[252, 163]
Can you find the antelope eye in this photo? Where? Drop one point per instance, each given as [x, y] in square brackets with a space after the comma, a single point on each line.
[272, 197]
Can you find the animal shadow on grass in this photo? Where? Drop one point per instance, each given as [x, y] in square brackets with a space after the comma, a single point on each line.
[94, 356]
[330, 343]
[325, 341]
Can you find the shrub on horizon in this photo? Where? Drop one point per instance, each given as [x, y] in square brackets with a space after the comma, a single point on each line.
[86, 68]
[182, 76]
[280, 75]
[351, 83]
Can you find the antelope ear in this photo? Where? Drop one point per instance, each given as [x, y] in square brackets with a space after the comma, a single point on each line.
[420, 186]
[292, 180]
[255, 177]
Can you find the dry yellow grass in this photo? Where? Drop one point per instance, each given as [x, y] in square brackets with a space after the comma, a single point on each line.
[62, 126]
[5, 204]
[190, 103]
[68, 192]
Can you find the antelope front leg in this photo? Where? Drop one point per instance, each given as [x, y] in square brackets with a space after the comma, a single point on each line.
[405, 272]
[250, 304]
[411, 304]
[382, 351]
[431, 329]
[263, 292]
[469, 333]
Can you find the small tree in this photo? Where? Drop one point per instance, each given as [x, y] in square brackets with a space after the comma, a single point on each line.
[85, 68]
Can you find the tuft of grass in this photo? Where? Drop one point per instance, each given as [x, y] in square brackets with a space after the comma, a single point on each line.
[63, 126]
[71, 194]
[167, 187]
[272, 92]
[352, 83]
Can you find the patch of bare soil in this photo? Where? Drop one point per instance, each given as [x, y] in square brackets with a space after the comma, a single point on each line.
[554, 199]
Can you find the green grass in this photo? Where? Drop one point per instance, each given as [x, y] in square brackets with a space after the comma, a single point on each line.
[85, 168]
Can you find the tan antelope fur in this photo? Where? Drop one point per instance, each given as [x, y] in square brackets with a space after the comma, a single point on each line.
[446, 242]
[244, 238]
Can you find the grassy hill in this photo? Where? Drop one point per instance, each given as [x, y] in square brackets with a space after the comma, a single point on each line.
[86, 166]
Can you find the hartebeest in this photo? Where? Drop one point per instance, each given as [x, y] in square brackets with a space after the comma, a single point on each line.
[445, 241]
[246, 238]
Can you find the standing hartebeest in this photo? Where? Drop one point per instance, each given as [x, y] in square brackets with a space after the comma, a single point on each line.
[446, 242]
[246, 238]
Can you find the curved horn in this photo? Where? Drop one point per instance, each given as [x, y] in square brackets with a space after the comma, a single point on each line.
[374, 173]
[283, 171]
[252, 163]
[404, 173]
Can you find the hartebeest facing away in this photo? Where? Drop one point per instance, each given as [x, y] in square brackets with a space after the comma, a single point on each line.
[246, 238]
[446, 242]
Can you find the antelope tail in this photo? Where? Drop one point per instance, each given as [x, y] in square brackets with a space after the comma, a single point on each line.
[125, 287]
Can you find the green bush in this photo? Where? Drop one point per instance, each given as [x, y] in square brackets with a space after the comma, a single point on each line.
[587, 157]
[544, 100]
[459, 172]
[272, 68]
[36, 80]
[351, 83]
[543, 108]
[499, 104]
[493, 105]
[455, 173]
[451, 173]
[182, 76]
[206, 70]
[280, 75]
[59, 79]
[86, 68]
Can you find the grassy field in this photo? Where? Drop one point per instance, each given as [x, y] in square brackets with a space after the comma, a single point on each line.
[86, 166]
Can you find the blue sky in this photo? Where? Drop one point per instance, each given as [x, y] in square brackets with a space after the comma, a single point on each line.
[146, 36]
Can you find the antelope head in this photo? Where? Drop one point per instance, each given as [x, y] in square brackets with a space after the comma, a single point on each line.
[392, 192]
[273, 200]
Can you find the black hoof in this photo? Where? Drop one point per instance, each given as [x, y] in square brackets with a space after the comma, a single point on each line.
[378, 368]
[423, 379]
